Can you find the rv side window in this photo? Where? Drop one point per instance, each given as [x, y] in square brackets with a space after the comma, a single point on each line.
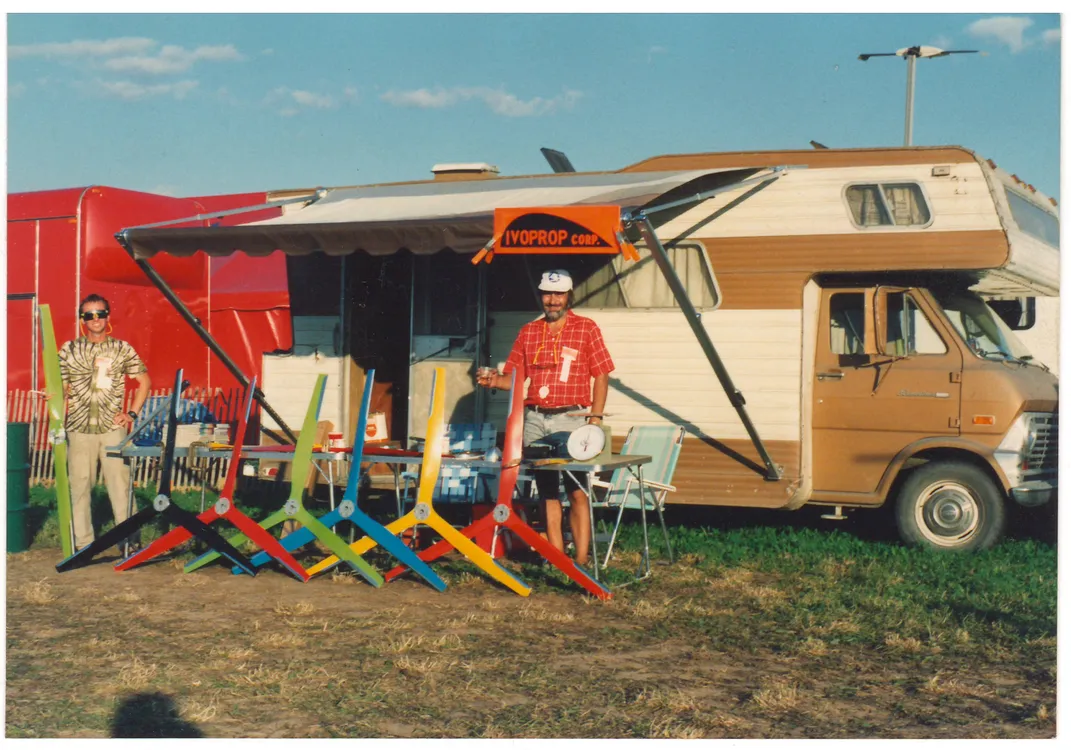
[909, 332]
[887, 204]
[606, 282]
[642, 285]
[846, 323]
[1034, 220]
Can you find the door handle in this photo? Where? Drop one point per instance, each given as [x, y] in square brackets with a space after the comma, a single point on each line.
[835, 375]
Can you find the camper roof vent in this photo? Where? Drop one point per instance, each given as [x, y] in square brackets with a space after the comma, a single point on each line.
[468, 171]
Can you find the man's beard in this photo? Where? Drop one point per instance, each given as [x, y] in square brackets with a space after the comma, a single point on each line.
[553, 316]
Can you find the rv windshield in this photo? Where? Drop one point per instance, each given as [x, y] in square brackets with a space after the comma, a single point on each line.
[985, 333]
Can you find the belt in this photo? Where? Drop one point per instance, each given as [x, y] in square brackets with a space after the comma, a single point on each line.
[554, 409]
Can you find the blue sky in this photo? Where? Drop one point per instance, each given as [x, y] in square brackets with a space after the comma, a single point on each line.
[202, 104]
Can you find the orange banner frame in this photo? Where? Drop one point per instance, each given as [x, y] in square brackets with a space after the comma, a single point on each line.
[569, 230]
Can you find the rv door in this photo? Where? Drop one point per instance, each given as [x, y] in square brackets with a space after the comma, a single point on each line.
[883, 379]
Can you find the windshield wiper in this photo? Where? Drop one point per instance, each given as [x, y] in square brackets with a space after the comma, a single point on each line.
[1028, 359]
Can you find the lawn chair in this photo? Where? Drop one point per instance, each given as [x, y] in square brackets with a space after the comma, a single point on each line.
[457, 484]
[663, 444]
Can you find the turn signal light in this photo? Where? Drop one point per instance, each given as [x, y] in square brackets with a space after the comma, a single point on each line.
[984, 419]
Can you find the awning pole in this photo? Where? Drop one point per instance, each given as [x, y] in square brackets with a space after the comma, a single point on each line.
[195, 324]
[736, 398]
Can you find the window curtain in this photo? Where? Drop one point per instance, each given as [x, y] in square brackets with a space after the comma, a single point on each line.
[905, 201]
[866, 206]
[907, 205]
[640, 284]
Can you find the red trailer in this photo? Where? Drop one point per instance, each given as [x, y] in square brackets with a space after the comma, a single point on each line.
[60, 247]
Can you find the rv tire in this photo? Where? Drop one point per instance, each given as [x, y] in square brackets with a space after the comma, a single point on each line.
[950, 506]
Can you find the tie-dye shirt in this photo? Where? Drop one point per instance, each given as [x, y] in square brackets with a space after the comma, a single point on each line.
[96, 375]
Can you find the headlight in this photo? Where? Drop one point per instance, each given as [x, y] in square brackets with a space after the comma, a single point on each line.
[1013, 453]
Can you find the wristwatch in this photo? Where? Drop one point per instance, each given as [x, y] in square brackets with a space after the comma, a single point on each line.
[133, 415]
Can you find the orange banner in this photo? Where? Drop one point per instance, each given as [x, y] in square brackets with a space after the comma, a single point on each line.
[558, 229]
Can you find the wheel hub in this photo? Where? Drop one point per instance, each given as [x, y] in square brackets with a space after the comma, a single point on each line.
[949, 513]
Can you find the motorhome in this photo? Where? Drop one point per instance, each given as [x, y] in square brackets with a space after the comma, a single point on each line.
[846, 295]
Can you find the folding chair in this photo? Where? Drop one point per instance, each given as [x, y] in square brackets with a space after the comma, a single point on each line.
[456, 483]
[663, 444]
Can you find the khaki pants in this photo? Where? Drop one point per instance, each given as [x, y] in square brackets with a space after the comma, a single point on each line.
[83, 452]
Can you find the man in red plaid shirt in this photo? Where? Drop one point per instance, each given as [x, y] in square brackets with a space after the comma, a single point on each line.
[568, 366]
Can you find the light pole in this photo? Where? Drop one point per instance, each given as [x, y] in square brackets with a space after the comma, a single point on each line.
[911, 54]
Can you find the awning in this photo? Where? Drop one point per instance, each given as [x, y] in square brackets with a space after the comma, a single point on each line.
[422, 217]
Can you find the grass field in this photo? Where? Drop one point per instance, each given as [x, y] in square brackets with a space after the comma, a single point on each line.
[766, 625]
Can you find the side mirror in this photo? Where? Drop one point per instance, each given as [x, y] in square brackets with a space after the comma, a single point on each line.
[1020, 313]
[881, 318]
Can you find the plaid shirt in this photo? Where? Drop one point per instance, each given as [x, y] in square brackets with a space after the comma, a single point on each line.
[563, 364]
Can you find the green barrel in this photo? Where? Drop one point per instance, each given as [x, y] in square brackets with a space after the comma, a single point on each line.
[18, 486]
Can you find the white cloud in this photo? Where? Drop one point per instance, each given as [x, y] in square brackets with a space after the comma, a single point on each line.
[349, 93]
[1006, 30]
[1051, 36]
[84, 48]
[497, 100]
[421, 98]
[287, 98]
[312, 99]
[16, 88]
[171, 190]
[941, 41]
[655, 50]
[267, 51]
[173, 59]
[130, 90]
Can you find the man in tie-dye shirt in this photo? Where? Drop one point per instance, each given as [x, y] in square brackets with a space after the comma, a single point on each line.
[94, 369]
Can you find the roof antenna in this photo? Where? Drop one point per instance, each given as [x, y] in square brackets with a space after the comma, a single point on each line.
[558, 161]
[818, 145]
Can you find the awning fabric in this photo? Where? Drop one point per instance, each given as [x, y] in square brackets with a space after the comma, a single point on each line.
[422, 217]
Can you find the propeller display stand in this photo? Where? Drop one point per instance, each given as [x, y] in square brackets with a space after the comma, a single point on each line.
[226, 509]
[424, 513]
[347, 510]
[161, 506]
[295, 509]
[504, 515]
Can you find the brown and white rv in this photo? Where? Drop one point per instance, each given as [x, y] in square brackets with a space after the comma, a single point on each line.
[846, 295]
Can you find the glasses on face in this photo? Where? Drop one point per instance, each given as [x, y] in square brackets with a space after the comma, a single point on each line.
[94, 315]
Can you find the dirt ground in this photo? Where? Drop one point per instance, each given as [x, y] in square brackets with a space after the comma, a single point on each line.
[155, 652]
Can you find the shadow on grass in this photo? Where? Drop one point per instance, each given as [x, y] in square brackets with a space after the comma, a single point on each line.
[151, 715]
[867, 524]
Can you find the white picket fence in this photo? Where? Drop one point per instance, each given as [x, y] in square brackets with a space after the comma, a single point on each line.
[30, 406]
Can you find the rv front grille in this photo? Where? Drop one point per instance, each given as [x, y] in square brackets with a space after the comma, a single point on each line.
[1041, 462]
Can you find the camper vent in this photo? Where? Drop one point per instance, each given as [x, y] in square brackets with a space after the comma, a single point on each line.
[470, 171]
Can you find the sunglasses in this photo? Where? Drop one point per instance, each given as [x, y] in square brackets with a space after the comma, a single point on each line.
[94, 315]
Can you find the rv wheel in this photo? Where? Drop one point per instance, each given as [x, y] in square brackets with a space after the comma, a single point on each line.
[950, 506]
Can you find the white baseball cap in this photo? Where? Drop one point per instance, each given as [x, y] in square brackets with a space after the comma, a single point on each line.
[557, 280]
